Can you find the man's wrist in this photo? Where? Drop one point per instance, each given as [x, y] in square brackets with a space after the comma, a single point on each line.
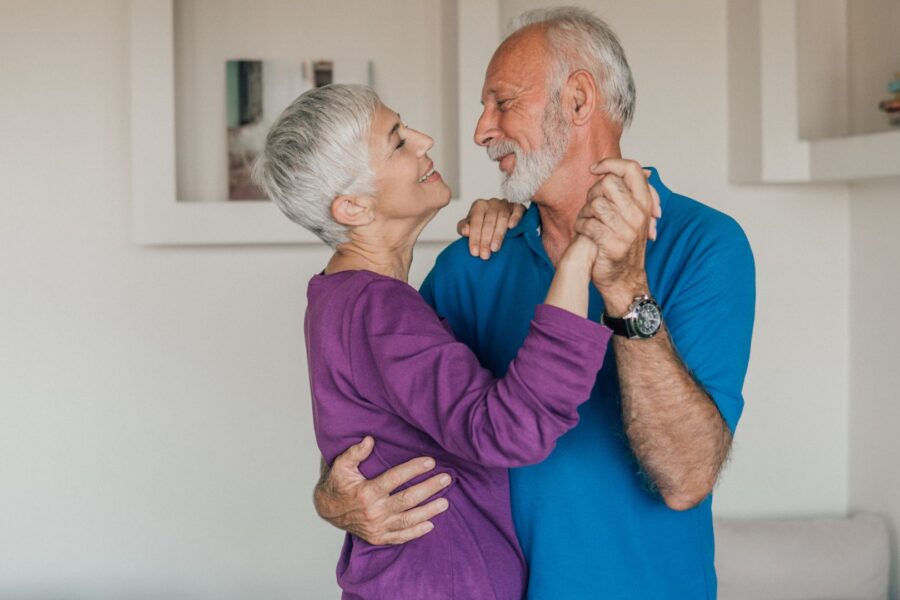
[618, 299]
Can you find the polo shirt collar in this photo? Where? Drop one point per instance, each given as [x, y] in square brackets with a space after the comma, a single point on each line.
[531, 220]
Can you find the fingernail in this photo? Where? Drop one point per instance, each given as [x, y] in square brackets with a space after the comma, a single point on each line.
[473, 250]
[428, 526]
[444, 480]
[443, 504]
[428, 463]
[495, 246]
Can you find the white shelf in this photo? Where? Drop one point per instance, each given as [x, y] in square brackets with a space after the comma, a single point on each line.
[775, 75]
[855, 157]
[161, 218]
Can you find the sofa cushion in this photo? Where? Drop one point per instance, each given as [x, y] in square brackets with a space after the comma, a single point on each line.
[808, 558]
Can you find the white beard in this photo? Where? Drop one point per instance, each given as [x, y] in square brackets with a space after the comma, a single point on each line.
[532, 169]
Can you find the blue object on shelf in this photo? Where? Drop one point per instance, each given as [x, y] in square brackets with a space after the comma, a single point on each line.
[894, 86]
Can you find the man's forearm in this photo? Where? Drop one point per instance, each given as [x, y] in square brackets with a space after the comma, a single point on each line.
[318, 491]
[673, 426]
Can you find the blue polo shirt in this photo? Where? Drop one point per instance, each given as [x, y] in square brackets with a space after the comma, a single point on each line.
[588, 524]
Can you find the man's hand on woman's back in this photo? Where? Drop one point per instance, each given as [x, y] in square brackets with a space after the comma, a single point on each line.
[368, 509]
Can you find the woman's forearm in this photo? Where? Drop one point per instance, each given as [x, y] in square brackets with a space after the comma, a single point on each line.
[569, 288]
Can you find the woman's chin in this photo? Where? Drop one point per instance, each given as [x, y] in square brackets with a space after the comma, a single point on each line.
[448, 194]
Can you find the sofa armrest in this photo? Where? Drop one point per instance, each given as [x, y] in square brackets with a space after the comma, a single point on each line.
[788, 559]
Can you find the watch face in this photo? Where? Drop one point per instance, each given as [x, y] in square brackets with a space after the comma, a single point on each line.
[647, 320]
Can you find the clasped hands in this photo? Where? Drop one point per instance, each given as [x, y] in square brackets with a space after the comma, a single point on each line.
[619, 216]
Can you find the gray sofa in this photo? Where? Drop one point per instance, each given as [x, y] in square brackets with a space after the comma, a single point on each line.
[803, 559]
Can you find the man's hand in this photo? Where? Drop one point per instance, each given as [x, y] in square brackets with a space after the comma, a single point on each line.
[366, 508]
[487, 224]
[619, 216]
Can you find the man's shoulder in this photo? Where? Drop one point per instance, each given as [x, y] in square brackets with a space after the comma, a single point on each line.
[697, 226]
[456, 261]
[455, 256]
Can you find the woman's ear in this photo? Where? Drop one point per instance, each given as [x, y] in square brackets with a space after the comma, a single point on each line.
[353, 211]
[583, 96]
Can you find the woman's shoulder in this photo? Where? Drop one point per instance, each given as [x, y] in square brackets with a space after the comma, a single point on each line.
[357, 281]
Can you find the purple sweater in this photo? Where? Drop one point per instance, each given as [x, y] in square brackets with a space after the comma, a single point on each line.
[382, 363]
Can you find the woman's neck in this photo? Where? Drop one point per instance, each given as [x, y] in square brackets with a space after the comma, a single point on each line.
[357, 255]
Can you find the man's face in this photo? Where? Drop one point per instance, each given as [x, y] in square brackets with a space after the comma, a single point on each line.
[521, 126]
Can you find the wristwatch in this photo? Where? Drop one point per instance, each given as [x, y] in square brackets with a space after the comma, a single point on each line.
[642, 321]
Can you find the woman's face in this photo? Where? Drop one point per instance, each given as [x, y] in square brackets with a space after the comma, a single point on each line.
[407, 183]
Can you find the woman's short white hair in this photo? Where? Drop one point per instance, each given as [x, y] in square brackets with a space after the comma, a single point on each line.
[580, 40]
[317, 150]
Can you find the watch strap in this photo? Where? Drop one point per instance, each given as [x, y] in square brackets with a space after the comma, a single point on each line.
[617, 324]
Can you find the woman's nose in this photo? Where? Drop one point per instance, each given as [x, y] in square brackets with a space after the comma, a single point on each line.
[424, 143]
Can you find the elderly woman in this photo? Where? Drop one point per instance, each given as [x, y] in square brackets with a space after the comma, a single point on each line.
[381, 361]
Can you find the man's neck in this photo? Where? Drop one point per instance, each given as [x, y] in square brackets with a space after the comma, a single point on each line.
[557, 229]
[563, 196]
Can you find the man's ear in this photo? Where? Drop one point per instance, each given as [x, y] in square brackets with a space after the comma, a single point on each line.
[582, 95]
[353, 211]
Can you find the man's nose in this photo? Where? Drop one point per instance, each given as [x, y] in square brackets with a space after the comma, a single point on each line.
[486, 128]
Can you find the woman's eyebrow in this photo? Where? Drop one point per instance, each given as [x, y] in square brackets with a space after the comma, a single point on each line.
[395, 128]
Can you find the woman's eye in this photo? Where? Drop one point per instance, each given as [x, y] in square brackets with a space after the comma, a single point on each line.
[401, 144]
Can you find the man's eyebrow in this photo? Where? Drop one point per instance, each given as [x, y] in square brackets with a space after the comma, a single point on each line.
[395, 128]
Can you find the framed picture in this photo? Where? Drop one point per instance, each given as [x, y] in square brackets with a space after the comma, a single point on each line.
[202, 71]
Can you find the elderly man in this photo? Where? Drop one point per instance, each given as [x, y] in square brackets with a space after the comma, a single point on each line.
[622, 507]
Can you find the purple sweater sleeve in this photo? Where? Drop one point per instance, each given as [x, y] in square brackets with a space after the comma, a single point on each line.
[404, 356]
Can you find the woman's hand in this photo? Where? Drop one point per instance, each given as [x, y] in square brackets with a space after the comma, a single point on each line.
[569, 288]
[580, 255]
[487, 223]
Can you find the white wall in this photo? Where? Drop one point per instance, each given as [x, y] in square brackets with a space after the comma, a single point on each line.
[155, 437]
[874, 376]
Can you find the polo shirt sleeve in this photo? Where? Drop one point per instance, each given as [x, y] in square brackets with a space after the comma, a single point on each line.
[404, 357]
[710, 315]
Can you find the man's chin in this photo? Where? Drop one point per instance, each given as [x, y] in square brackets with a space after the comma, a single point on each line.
[518, 194]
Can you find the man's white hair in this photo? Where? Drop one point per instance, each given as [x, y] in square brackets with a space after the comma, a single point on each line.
[581, 40]
[317, 150]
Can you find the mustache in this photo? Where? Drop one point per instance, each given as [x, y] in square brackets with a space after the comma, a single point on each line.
[498, 150]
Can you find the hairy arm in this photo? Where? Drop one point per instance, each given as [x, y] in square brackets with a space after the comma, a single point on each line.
[673, 426]
[675, 429]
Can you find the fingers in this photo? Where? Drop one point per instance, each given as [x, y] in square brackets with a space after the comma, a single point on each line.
[631, 173]
[416, 516]
[657, 213]
[394, 477]
[488, 225]
[610, 202]
[516, 217]
[355, 454]
[657, 205]
[593, 228]
[395, 538]
[476, 223]
[416, 494]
